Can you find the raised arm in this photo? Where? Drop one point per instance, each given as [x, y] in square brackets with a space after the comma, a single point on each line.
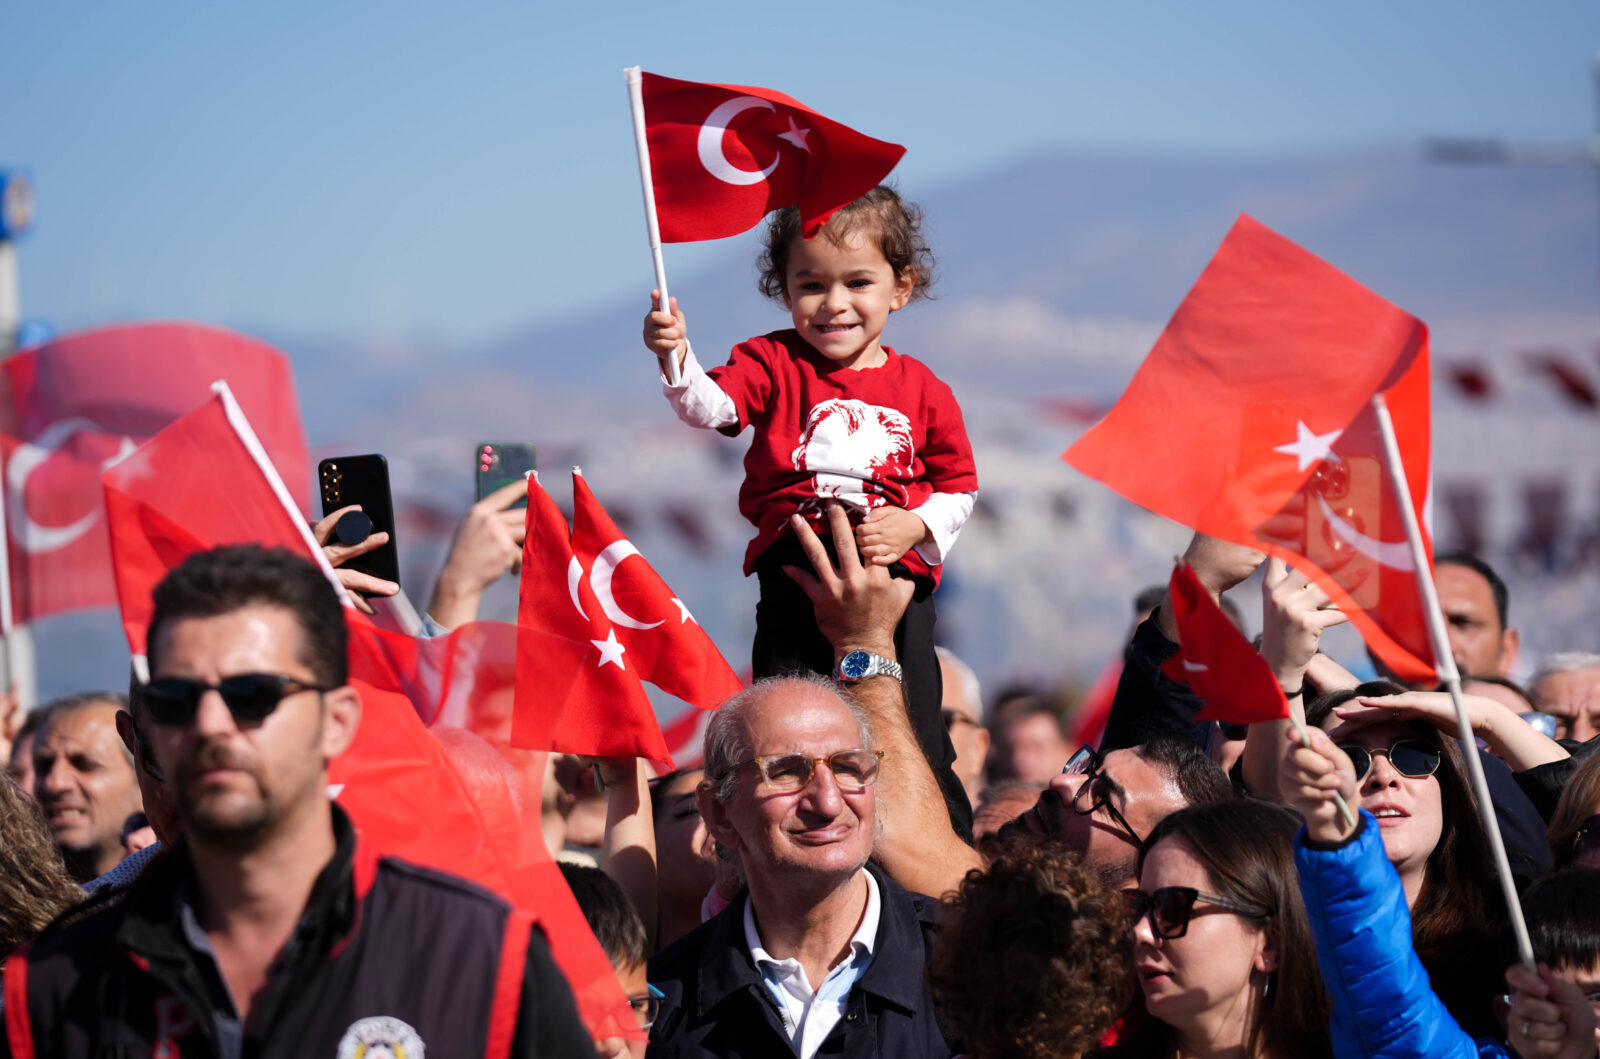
[857, 607]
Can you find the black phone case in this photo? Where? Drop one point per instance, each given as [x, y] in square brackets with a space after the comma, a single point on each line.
[364, 480]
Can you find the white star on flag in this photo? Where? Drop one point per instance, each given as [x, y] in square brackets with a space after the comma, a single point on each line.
[796, 135]
[683, 610]
[1308, 448]
[610, 650]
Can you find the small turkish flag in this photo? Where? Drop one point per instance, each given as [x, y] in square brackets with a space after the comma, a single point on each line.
[1217, 661]
[591, 589]
[724, 156]
[73, 406]
[1251, 420]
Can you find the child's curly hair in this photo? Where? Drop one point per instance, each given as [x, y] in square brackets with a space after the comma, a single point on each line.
[881, 211]
[1035, 960]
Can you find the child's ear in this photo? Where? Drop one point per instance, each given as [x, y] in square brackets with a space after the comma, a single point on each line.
[904, 284]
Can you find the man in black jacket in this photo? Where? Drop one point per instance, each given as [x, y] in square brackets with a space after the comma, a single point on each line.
[270, 929]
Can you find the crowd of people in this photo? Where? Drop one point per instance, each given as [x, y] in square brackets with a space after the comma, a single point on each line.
[866, 860]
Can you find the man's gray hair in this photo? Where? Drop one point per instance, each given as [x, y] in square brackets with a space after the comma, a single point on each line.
[727, 745]
[970, 691]
[1564, 662]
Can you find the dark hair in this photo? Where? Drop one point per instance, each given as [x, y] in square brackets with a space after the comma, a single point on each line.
[223, 580]
[1200, 780]
[609, 912]
[1247, 850]
[1502, 596]
[34, 884]
[881, 212]
[1459, 913]
[1563, 918]
[79, 701]
[1034, 958]
[1579, 801]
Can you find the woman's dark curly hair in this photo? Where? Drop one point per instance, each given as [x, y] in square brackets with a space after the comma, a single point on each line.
[1035, 959]
[881, 212]
[34, 884]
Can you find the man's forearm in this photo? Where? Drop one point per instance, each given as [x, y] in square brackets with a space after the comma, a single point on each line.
[915, 843]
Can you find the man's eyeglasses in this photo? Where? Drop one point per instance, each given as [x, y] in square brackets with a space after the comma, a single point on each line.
[249, 696]
[853, 770]
[1171, 907]
[1096, 790]
[647, 1007]
[1414, 758]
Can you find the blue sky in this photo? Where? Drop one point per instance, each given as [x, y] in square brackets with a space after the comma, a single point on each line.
[454, 171]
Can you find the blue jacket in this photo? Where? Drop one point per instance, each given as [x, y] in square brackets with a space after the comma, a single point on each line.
[1383, 1007]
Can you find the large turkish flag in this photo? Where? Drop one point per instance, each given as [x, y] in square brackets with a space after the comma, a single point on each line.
[1251, 420]
[723, 156]
[72, 407]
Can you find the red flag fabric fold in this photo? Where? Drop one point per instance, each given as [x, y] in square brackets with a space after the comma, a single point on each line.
[1251, 420]
[1217, 661]
[723, 156]
[71, 407]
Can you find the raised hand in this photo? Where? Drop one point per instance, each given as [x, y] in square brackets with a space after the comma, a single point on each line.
[665, 332]
[355, 582]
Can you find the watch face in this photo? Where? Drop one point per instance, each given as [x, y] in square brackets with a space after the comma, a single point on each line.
[855, 664]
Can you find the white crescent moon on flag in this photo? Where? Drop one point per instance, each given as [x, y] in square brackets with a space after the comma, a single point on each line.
[25, 459]
[711, 134]
[600, 580]
[574, 575]
[1395, 555]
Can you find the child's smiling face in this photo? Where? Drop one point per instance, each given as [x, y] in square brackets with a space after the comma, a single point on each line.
[841, 295]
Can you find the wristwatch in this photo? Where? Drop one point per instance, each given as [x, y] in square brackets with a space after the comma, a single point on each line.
[859, 665]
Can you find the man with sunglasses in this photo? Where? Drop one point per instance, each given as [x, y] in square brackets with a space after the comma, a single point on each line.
[269, 929]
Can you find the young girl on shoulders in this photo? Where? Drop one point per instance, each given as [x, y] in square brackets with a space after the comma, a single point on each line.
[838, 416]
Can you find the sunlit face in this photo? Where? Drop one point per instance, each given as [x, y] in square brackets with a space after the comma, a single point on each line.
[1409, 809]
[796, 837]
[236, 780]
[840, 296]
[1573, 698]
[85, 784]
[1477, 641]
[1204, 982]
[967, 734]
[1143, 792]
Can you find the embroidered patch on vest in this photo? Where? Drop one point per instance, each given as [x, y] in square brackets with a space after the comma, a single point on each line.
[380, 1037]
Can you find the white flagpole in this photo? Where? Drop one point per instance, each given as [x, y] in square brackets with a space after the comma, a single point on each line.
[247, 435]
[641, 146]
[1445, 664]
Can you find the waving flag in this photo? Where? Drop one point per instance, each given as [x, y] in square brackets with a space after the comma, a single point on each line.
[71, 407]
[1217, 661]
[724, 156]
[1251, 420]
[589, 588]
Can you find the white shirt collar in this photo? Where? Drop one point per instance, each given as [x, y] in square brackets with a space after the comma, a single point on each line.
[861, 942]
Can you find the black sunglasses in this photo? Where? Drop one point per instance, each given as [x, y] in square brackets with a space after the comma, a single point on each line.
[1171, 907]
[248, 696]
[1409, 757]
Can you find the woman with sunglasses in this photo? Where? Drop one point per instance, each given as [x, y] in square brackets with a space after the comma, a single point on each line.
[1383, 1007]
[1414, 784]
[1222, 952]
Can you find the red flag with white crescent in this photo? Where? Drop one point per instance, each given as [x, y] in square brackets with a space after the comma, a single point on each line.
[70, 408]
[724, 156]
[1251, 420]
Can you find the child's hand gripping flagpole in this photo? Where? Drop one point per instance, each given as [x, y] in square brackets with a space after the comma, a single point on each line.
[642, 146]
[1444, 663]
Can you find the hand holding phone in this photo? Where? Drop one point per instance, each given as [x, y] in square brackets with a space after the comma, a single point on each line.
[354, 487]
